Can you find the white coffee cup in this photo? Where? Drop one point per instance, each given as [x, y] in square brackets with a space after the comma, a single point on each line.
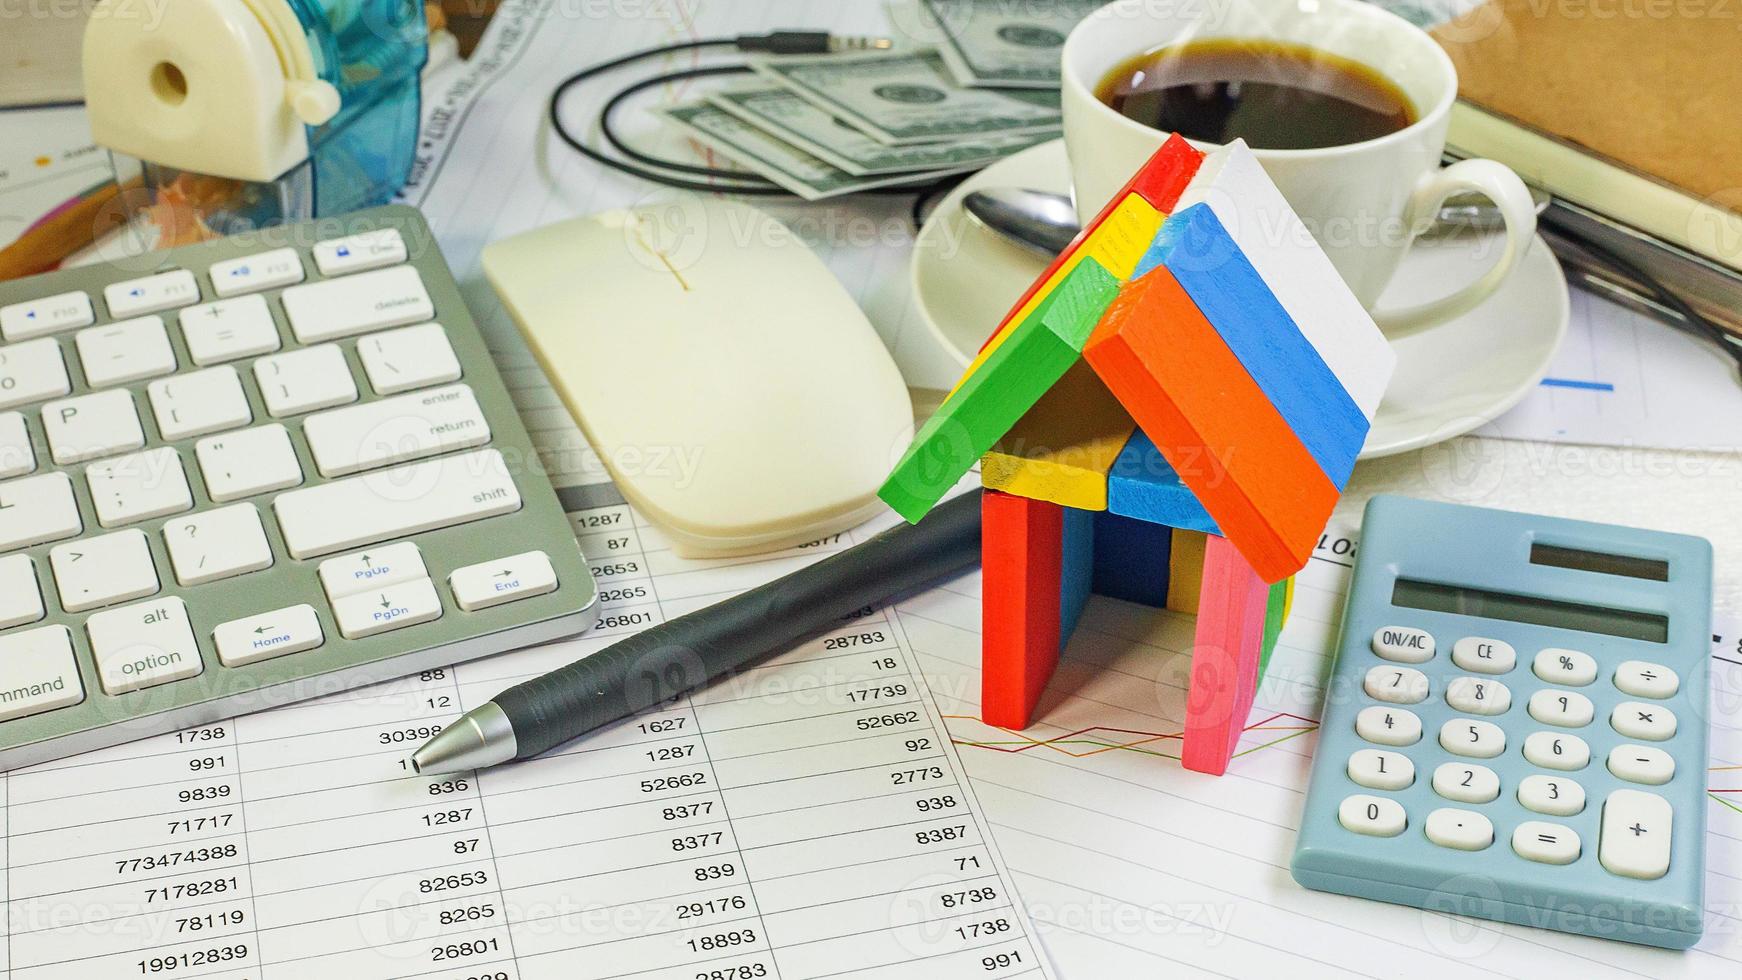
[1365, 202]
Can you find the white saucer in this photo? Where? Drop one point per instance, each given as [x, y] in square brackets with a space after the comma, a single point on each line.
[1449, 380]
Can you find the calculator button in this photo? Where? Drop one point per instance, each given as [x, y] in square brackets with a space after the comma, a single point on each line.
[31, 372]
[103, 571]
[51, 314]
[242, 464]
[1646, 680]
[1568, 709]
[20, 596]
[143, 645]
[1466, 782]
[265, 270]
[1642, 764]
[1636, 834]
[1476, 739]
[17, 455]
[1548, 843]
[268, 635]
[90, 426]
[1396, 685]
[228, 330]
[390, 608]
[1480, 655]
[407, 358]
[1374, 816]
[1377, 769]
[38, 668]
[510, 579]
[363, 303]
[1552, 750]
[152, 293]
[1403, 644]
[1651, 722]
[1464, 830]
[369, 250]
[1558, 666]
[119, 353]
[1388, 726]
[1557, 796]
[1478, 697]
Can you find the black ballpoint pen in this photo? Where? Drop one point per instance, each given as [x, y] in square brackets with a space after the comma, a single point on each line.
[667, 660]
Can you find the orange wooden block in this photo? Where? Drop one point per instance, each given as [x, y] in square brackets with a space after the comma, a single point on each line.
[1189, 393]
[1225, 657]
[1021, 548]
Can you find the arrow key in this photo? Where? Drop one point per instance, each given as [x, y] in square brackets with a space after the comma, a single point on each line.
[270, 634]
[371, 570]
[390, 608]
[493, 583]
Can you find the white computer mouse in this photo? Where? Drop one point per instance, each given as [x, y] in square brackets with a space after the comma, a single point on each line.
[736, 393]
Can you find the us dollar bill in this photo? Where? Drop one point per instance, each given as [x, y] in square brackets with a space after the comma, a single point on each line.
[1004, 43]
[810, 128]
[789, 166]
[907, 98]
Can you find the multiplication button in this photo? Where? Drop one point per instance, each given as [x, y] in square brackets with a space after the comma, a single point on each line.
[1396, 685]
[1642, 764]
[1378, 769]
[1388, 726]
[1480, 655]
[1573, 668]
[1472, 738]
[1647, 680]
[1403, 644]
[1651, 722]
[1466, 782]
[1567, 709]
[1374, 816]
[1464, 830]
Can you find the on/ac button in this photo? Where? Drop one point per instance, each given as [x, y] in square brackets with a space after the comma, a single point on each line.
[1403, 644]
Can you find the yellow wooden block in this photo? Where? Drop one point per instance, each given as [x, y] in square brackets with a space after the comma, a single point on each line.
[1185, 571]
[1063, 447]
[1117, 243]
[1288, 598]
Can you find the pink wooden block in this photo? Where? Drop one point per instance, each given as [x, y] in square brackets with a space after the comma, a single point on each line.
[1225, 655]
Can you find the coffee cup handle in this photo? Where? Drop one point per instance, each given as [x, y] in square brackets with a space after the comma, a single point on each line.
[1492, 180]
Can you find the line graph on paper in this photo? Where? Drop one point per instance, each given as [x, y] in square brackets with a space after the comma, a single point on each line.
[1083, 743]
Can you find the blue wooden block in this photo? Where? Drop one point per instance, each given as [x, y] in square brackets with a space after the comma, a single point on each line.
[1131, 559]
[1247, 316]
[1142, 484]
[1076, 569]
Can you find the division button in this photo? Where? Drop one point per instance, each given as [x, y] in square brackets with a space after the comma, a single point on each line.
[1643, 679]
[1403, 644]
[1374, 816]
[1464, 830]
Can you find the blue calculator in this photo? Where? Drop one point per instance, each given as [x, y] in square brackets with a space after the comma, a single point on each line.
[1516, 724]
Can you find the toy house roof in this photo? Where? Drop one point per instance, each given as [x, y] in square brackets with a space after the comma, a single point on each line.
[1192, 359]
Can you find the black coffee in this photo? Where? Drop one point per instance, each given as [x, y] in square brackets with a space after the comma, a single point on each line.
[1275, 95]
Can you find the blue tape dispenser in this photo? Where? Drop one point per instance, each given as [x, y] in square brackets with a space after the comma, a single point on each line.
[258, 112]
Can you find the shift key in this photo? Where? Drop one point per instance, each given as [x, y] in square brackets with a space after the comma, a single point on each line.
[385, 504]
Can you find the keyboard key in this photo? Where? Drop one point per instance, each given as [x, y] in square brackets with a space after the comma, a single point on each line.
[1463, 830]
[1388, 726]
[1403, 644]
[1556, 796]
[1637, 830]
[268, 635]
[1573, 668]
[20, 596]
[305, 380]
[217, 544]
[31, 372]
[1552, 750]
[1650, 722]
[38, 670]
[265, 270]
[41, 317]
[103, 571]
[1374, 816]
[37, 510]
[134, 488]
[164, 291]
[1568, 709]
[1642, 764]
[357, 253]
[1547, 843]
[372, 569]
[1480, 655]
[389, 608]
[358, 511]
[143, 645]
[1396, 685]
[199, 403]
[395, 430]
[119, 353]
[17, 457]
[1642, 679]
[493, 583]
[1466, 782]
[242, 464]
[229, 330]
[356, 304]
[1476, 739]
[92, 426]
[1377, 769]
[1475, 696]
[408, 358]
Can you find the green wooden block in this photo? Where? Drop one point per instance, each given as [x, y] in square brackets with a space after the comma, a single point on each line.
[1273, 609]
[1005, 386]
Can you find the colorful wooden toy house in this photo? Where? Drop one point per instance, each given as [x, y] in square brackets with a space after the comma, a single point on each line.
[1167, 416]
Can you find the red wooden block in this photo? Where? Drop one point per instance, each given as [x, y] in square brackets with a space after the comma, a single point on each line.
[1021, 548]
[1160, 181]
[1225, 656]
[1188, 392]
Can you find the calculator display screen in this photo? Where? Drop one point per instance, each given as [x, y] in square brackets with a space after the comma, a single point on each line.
[1436, 597]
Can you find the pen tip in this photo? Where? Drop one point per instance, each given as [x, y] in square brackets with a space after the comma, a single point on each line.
[479, 739]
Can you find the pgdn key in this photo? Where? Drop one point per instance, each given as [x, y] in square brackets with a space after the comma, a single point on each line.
[390, 608]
